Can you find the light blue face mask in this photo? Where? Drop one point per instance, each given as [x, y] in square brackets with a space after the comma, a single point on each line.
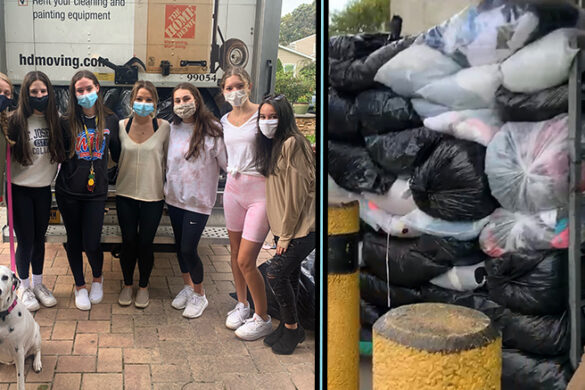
[143, 109]
[87, 100]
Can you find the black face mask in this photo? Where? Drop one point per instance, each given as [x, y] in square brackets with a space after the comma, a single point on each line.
[39, 104]
[5, 103]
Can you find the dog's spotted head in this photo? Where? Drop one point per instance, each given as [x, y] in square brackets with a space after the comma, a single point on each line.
[9, 283]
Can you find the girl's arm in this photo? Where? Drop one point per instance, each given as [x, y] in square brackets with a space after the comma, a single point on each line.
[296, 190]
[115, 144]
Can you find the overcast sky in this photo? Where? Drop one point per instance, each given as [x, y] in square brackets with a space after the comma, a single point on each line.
[289, 5]
[337, 5]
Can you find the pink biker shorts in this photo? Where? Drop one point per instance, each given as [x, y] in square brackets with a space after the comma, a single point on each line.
[244, 206]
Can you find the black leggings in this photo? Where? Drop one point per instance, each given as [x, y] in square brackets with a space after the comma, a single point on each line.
[83, 219]
[283, 275]
[138, 222]
[188, 227]
[32, 208]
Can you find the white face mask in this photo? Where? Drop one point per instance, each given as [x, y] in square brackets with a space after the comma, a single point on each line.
[268, 127]
[236, 98]
[186, 110]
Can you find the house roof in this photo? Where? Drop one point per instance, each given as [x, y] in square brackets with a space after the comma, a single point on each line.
[296, 52]
[302, 39]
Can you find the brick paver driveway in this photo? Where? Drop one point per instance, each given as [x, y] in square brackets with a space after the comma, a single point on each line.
[113, 347]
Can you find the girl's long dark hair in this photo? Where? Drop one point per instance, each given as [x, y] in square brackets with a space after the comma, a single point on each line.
[205, 122]
[269, 150]
[75, 111]
[18, 123]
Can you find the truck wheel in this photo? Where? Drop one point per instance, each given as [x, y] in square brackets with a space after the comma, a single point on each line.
[233, 53]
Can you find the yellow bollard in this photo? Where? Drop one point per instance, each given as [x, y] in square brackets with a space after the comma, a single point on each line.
[435, 346]
[343, 297]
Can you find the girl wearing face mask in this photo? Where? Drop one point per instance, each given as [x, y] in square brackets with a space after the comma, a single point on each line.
[196, 153]
[285, 157]
[139, 188]
[36, 151]
[244, 204]
[90, 129]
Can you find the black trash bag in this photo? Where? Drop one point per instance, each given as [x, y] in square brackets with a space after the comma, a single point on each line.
[451, 184]
[62, 96]
[407, 266]
[374, 291]
[401, 151]
[529, 282]
[358, 75]
[432, 293]
[366, 334]
[351, 47]
[305, 311]
[533, 107]
[342, 123]
[123, 108]
[370, 313]
[523, 371]
[479, 301]
[306, 299]
[353, 169]
[380, 111]
[451, 252]
[543, 335]
[165, 109]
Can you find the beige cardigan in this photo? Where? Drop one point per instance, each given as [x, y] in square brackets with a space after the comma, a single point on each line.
[290, 195]
[141, 169]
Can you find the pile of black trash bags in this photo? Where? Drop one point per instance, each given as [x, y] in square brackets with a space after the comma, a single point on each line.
[429, 150]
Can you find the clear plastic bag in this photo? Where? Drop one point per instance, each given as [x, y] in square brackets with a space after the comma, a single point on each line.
[397, 201]
[540, 65]
[463, 278]
[426, 109]
[527, 165]
[379, 219]
[473, 125]
[509, 231]
[413, 68]
[437, 227]
[468, 89]
[485, 34]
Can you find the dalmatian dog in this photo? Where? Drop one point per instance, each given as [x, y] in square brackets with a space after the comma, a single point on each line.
[20, 334]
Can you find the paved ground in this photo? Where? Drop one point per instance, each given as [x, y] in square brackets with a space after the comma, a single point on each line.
[113, 347]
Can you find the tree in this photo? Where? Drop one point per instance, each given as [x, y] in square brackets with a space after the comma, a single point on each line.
[298, 24]
[360, 16]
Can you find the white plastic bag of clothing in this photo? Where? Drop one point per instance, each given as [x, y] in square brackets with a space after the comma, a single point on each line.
[379, 219]
[527, 165]
[338, 195]
[473, 125]
[413, 68]
[426, 109]
[397, 201]
[468, 89]
[509, 231]
[463, 231]
[462, 278]
[542, 64]
[479, 37]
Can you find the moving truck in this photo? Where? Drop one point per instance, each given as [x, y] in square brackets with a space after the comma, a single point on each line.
[121, 41]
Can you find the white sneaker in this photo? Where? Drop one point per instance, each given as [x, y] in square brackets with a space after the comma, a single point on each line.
[97, 292]
[27, 296]
[182, 298]
[237, 316]
[254, 328]
[195, 306]
[82, 301]
[44, 296]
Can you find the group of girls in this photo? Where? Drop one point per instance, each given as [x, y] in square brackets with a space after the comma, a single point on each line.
[270, 186]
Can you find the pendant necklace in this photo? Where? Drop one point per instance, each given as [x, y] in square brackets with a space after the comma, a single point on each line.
[91, 176]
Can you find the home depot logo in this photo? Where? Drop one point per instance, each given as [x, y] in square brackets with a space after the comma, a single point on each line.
[180, 21]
